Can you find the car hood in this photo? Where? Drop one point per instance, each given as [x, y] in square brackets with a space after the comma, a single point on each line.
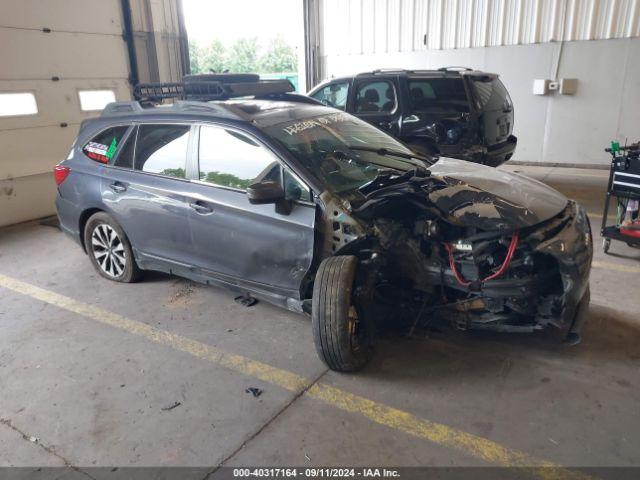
[487, 198]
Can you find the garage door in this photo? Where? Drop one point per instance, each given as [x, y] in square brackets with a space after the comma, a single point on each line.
[53, 54]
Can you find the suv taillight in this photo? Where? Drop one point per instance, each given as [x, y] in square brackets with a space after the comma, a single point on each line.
[60, 173]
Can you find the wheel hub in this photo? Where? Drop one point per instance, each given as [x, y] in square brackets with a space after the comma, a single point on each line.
[108, 250]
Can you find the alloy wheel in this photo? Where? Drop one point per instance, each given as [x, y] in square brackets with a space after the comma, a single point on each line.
[108, 250]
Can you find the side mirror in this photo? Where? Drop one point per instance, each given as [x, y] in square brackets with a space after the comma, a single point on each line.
[265, 192]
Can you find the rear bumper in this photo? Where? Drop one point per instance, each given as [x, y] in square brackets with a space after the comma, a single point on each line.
[498, 154]
[69, 218]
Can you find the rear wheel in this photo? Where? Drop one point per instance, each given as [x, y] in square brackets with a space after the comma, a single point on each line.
[109, 249]
[342, 337]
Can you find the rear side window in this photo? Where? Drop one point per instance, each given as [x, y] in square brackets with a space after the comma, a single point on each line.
[231, 159]
[333, 95]
[162, 149]
[124, 158]
[375, 97]
[103, 147]
[437, 94]
[490, 94]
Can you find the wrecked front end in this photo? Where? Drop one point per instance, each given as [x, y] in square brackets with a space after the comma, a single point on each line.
[440, 250]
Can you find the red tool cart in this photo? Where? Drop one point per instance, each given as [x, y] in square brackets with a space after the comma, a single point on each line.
[624, 186]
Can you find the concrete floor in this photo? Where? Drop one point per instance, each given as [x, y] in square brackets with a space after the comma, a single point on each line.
[77, 391]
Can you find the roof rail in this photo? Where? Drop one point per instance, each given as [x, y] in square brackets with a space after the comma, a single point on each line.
[380, 71]
[388, 70]
[455, 69]
[115, 108]
[206, 90]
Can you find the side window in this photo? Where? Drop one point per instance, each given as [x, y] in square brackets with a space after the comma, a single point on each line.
[124, 158]
[162, 149]
[437, 95]
[294, 189]
[333, 95]
[103, 146]
[373, 97]
[231, 159]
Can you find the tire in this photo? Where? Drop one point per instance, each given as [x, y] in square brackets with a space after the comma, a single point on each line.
[109, 249]
[342, 338]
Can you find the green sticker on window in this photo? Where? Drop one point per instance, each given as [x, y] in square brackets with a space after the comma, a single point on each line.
[112, 149]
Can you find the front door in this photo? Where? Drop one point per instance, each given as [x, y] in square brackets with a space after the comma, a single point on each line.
[240, 243]
[376, 101]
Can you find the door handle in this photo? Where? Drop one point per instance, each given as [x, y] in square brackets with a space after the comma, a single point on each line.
[201, 207]
[118, 187]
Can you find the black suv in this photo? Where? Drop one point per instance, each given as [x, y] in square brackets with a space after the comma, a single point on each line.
[310, 208]
[453, 112]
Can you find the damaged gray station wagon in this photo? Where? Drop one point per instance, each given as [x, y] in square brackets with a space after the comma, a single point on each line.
[310, 208]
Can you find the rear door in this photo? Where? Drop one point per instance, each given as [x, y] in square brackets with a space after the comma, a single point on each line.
[494, 107]
[236, 241]
[377, 101]
[144, 188]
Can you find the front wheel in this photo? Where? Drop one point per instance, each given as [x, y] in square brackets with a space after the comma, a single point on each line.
[109, 249]
[343, 339]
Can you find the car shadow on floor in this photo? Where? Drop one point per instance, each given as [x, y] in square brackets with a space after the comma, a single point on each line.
[610, 337]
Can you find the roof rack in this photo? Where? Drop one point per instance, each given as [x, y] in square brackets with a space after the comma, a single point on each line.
[455, 69]
[382, 71]
[206, 90]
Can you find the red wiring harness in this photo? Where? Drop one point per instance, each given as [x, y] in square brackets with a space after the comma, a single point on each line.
[501, 270]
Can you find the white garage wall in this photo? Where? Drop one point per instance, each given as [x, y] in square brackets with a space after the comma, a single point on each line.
[83, 47]
[502, 36]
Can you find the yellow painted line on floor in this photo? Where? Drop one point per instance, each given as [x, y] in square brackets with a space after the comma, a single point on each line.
[616, 266]
[443, 435]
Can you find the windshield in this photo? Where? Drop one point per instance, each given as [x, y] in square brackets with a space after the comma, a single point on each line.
[342, 151]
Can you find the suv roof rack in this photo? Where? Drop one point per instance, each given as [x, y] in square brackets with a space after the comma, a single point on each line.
[382, 71]
[455, 69]
[204, 89]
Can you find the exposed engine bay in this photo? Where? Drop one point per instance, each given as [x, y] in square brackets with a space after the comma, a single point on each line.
[438, 248]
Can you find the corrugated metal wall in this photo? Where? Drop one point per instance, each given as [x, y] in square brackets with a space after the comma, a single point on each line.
[387, 26]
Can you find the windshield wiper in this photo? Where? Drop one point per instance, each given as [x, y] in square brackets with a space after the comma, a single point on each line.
[386, 151]
[388, 177]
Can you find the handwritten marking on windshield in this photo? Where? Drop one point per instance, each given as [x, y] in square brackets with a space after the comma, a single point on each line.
[316, 122]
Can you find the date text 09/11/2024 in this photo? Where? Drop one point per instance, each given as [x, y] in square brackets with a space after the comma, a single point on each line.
[315, 472]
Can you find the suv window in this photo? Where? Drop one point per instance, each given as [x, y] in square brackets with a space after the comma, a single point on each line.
[333, 95]
[162, 149]
[231, 159]
[432, 94]
[103, 146]
[378, 96]
[124, 159]
[294, 189]
[490, 94]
